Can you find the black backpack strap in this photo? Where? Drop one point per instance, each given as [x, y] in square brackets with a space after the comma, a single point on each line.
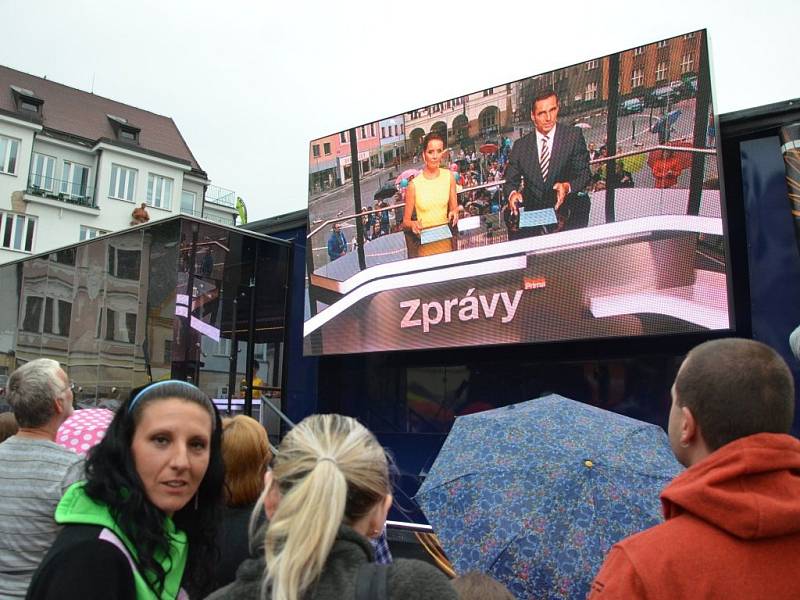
[371, 582]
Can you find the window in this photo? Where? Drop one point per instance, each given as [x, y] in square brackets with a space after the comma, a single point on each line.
[187, 202]
[343, 137]
[363, 132]
[29, 106]
[592, 64]
[661, 71]
[64, 257]
[26, 100]
[57, 315]
[315, 150]
[43, 172]
[9, 148]
[637, 78]
[123, 182]
[687, 63]
[326, 148]
[372, 130]
[383, 132]
[89, 233]
[129, 134]
[33, 314]
[223, 347]
[688, 36]
[591, 91]
[487, 119]
[123, 263]
[638, 51]
[17, 231]
[662, 44]
[120, 326]
[159, 191]
[75, 179]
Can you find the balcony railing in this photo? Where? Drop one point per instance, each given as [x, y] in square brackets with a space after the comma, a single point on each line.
[62, 190]
[221, 196]
[229, 221]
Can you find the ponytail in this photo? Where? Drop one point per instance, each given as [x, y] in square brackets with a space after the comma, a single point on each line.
[330, 470]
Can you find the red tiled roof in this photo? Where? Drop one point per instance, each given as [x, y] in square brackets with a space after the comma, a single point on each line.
[75, 112]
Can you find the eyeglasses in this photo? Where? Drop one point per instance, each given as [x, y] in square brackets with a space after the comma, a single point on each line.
[70, 386]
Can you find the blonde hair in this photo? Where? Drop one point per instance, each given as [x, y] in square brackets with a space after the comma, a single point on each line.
[480, 586]
[329, 470]
[8, 426]
[245, 452]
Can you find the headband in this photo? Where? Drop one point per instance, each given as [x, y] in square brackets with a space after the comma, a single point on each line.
[143, 391]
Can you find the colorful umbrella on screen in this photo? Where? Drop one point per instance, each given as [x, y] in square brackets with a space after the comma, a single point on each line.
[407, 174]
[84, 429]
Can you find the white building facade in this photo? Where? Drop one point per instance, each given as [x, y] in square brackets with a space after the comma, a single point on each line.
[74, 166]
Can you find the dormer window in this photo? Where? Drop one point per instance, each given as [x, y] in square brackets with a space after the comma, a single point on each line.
[128, 135]
[125, 131]
[27, 101]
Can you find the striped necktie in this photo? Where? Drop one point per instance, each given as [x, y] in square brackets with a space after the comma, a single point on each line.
[544, 158]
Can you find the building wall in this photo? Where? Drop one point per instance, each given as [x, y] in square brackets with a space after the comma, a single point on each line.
[58, 222]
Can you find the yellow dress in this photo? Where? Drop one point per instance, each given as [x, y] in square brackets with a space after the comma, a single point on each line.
[432, 200]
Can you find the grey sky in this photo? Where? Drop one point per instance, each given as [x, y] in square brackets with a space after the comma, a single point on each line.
[251, 83]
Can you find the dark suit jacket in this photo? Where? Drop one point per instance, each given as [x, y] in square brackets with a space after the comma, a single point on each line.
[569, 161]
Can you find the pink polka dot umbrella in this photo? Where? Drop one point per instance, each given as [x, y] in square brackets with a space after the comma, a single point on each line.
[84, 429]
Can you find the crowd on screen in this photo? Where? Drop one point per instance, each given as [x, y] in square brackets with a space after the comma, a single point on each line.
[165, 499]
[473, 173]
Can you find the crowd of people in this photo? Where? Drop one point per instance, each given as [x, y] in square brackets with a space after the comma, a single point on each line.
[175, 502]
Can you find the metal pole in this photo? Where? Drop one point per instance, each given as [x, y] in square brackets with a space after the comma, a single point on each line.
[700, 126]
[189, 344]
[356, 168]
[611, 136]
[289, 311]
[251, 334]
[234, 353]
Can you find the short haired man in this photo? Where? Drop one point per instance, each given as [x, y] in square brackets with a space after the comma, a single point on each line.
[554, 162]
[337, 243]
[732, 525]
[34, 471]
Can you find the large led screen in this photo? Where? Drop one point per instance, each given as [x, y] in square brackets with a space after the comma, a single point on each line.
[581, 203]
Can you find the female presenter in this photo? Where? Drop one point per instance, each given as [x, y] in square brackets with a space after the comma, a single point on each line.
[432, 194]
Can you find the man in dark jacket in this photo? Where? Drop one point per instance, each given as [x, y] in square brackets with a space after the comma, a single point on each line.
[554, 162]
[732, 525]
[337, 243]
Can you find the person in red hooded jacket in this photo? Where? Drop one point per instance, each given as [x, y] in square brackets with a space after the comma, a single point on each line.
[732, 526]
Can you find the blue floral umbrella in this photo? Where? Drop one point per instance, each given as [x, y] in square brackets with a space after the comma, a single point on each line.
[536, 493]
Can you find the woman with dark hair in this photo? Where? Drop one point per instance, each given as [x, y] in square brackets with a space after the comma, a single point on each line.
[431, 197]
[144, 523]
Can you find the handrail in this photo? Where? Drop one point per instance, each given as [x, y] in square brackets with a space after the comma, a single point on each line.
[417, 527]
[324, 224]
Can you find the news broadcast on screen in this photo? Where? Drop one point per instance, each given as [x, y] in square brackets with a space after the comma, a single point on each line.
[581, 203]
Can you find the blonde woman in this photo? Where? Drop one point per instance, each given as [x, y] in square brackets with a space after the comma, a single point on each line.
[327, 494]
[246, 453]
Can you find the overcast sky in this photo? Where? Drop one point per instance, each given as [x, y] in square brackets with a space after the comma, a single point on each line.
[249, 84]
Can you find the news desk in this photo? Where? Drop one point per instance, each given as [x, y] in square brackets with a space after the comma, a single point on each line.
[638, 276]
